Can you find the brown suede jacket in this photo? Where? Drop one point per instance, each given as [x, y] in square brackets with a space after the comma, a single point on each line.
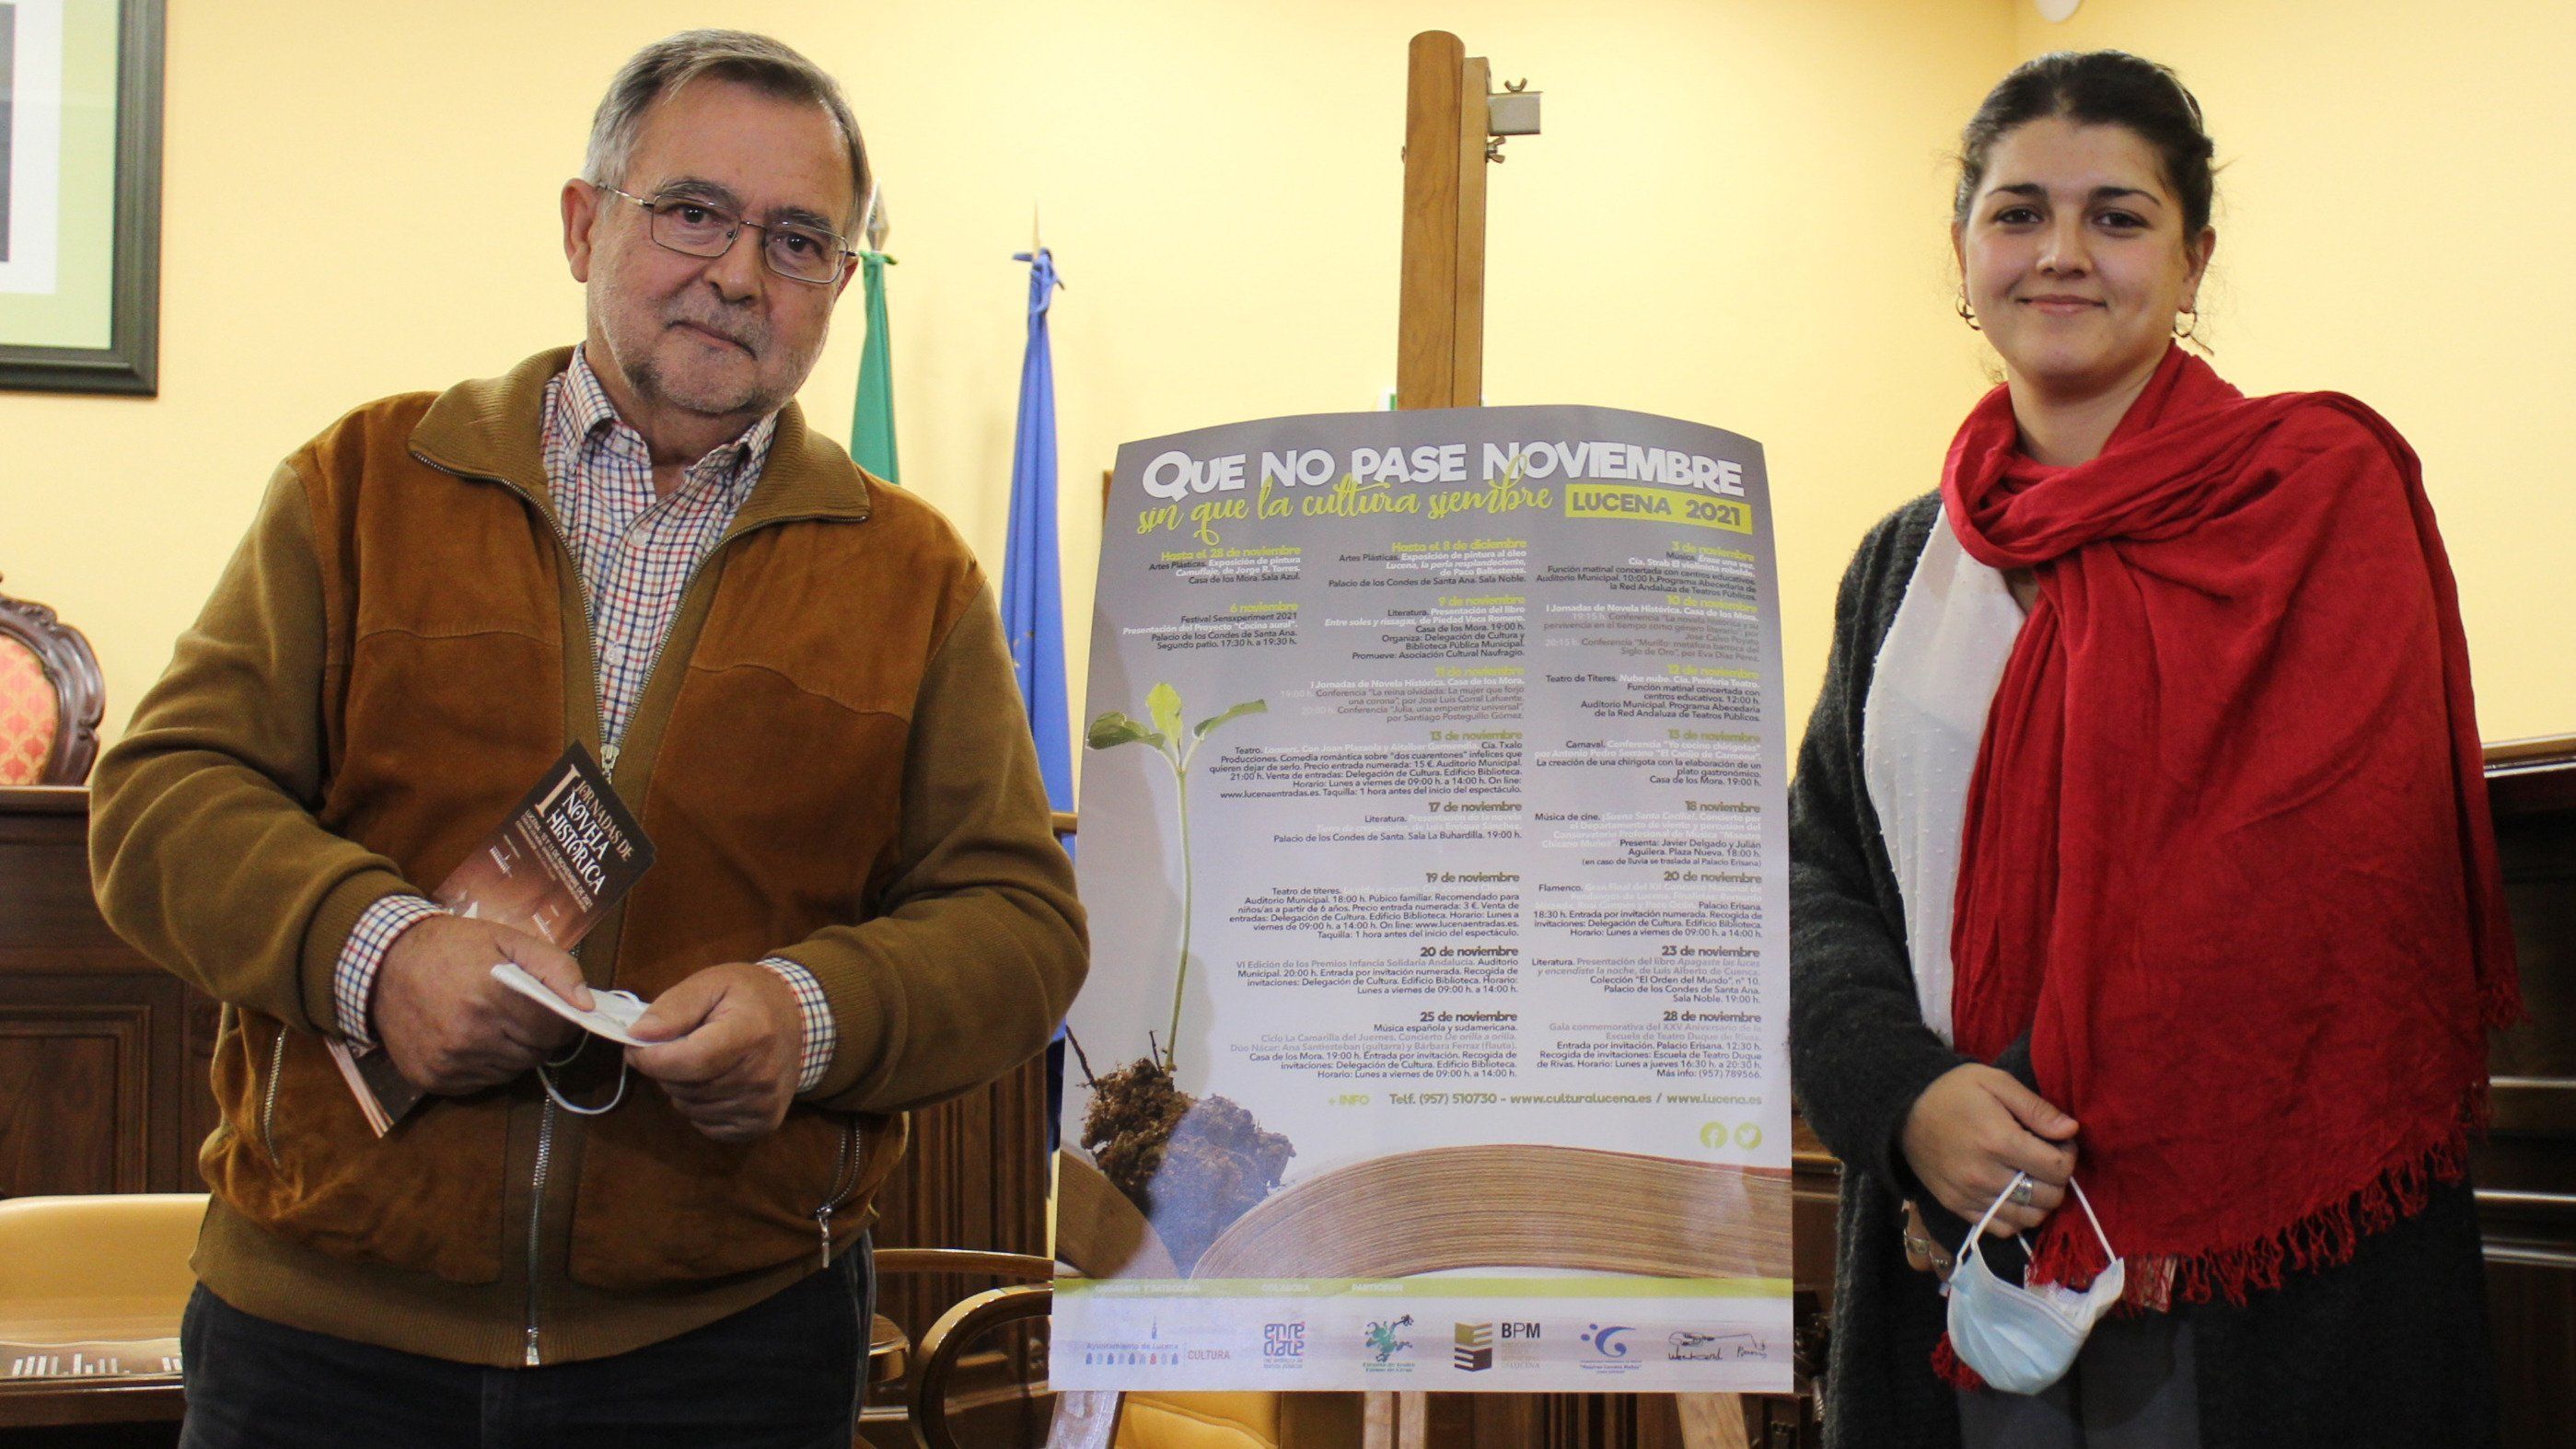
[829, 756]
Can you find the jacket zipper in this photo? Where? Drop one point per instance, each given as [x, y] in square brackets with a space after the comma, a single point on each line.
[608, 762]
[845, 1181]
[537, 1220]
[546, 1119]
[607, 752]
[546, 1109]
[268, 1103]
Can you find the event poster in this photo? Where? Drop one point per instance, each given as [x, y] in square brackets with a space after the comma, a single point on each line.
[1434, 839]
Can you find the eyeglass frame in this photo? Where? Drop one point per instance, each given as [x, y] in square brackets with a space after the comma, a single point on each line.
[842, 250]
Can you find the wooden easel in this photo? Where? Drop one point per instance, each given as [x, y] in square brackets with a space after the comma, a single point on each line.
[1440, 317]
[1440, 363]
[1439, 354]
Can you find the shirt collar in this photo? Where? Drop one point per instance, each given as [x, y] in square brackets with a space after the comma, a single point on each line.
[583, 411]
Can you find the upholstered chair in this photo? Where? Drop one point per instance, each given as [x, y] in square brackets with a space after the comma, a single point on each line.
[51, 697]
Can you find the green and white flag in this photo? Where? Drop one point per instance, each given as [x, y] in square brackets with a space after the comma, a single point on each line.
[872, 422]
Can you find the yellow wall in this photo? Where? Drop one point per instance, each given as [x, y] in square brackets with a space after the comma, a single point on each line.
[1733, 216]
[1736, 215]
[2396, 220]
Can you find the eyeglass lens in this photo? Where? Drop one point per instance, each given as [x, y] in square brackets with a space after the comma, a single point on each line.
[700, 230]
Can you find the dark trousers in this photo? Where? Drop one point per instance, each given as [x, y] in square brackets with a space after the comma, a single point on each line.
[785, 1373]
[2132, 1387]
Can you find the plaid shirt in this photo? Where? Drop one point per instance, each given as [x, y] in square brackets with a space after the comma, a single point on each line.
[637, 552]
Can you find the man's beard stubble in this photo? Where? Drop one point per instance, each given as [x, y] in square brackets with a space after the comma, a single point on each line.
[654, 386]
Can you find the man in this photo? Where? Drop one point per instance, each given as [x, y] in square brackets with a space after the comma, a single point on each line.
[798, 683]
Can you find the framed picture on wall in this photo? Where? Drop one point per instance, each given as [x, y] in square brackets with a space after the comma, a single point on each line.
[80, 195]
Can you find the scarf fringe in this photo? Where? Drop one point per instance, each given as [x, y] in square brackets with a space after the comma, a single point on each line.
[2499, 1006]
[2325, 1238]
[1954, 1370]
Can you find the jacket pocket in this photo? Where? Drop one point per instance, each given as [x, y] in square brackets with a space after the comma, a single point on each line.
[302, 1163]
[659, 1203]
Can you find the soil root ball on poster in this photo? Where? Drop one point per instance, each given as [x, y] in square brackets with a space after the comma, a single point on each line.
[1192, 1165]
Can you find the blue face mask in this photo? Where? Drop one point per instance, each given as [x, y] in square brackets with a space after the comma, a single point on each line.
[2023, 1339]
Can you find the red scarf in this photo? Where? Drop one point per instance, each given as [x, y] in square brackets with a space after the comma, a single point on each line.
[2227, 855]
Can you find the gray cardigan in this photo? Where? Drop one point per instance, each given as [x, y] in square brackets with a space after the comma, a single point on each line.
[2390, 1348]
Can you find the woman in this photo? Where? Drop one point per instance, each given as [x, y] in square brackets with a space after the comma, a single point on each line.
[2139, 841]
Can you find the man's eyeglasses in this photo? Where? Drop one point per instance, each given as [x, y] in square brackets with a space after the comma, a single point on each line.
[702, 229]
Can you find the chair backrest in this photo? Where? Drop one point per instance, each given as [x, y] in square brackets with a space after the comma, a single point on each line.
[51, 698]
[108, 1266]
[1098, 1232]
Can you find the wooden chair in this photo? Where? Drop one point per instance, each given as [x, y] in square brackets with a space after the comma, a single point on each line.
[1097, 1231]
[1079, 1186]
[922, 1401]
[51, 698]
[91, 1289]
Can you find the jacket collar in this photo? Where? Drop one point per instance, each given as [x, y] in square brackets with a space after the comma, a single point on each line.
[488, 428]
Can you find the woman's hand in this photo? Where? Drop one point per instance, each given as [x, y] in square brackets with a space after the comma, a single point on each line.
[1972, 1129]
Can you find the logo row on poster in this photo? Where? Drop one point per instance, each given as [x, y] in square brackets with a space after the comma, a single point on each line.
[1402, 1344]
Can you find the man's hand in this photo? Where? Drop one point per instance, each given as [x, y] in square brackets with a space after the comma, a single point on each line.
[451, 1028]
[1972, 1129]
[729, 1047]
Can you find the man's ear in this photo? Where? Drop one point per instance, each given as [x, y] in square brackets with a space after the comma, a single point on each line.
[580, 214]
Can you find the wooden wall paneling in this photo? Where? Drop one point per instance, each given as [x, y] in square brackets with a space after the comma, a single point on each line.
[75, 1091]
[2537, 845]
[101, 1086]
[44, 870]
[2532, 1307]
[2526, 1168]
[98, 1047]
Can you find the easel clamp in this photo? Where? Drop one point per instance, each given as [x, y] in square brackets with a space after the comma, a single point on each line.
[1512, 111]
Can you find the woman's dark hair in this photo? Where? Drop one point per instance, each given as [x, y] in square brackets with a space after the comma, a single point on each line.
[2097, 88]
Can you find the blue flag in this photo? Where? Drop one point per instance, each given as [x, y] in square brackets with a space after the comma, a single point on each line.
[1032, 597]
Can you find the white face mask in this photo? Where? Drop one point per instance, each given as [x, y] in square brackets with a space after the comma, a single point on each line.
[2018, 1339]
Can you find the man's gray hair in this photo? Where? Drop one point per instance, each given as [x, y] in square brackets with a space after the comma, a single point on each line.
[733, 55]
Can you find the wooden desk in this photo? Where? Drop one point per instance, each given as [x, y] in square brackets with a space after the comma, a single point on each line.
[137, 1400]
[103, 1056]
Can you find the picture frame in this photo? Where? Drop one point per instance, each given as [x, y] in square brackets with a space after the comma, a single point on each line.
[80, 195]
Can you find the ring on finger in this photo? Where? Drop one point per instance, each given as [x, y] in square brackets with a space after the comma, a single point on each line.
[2021, 1193]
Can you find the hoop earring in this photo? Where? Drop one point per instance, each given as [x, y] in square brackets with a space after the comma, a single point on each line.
[2183, 331]
[1967, 313]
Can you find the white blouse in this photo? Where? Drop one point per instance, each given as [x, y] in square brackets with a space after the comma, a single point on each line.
[1921, 727]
